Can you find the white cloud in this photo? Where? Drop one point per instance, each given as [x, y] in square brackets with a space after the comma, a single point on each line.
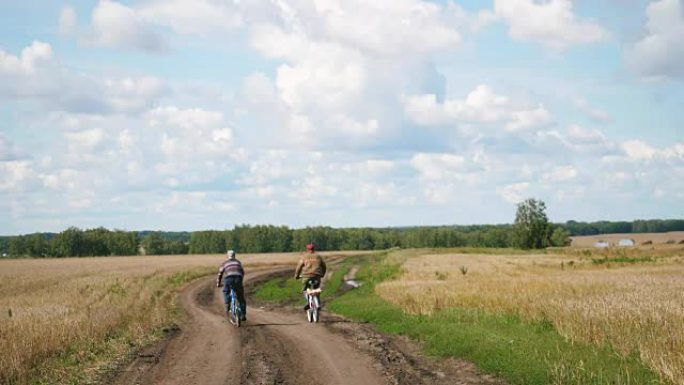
[596, 114]
[190, 119]
[33, 56]
[580, 135]
[204, 18]
[379, 166]
[384, 27]
[561, 174]
[660, 53]
[324, 89]
[86, 139]
[115, 25]
[435, 167]
[514, 193]
[193, 133]
[637, 149]
[36, 75]
[67, 20]
[526, 119]
[481, 106]
[14, 173]
[552, 23]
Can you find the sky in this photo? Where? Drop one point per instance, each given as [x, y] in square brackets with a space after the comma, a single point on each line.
[205, 114]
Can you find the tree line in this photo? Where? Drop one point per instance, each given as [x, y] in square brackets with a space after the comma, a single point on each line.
[74, 242]
[531, 229]
[618, 227]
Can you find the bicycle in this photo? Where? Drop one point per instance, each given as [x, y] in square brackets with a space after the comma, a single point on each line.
[234, 312]
[313, 299]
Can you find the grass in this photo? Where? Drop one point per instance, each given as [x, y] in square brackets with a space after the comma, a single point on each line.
[286, 290]
[519, 350]
[606, 260]
[623, 312]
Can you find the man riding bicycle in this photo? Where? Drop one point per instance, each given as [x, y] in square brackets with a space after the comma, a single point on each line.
[311, 268]
[232, 273]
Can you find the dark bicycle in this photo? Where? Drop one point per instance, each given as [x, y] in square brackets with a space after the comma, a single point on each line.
[234, 312]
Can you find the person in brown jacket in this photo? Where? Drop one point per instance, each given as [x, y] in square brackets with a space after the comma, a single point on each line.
[311, 268]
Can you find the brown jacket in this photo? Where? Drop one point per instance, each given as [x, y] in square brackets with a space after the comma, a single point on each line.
[310, 265]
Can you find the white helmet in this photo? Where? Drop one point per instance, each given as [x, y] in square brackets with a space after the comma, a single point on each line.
[230, 254]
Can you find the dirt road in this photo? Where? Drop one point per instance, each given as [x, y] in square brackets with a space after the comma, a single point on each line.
[277, 346]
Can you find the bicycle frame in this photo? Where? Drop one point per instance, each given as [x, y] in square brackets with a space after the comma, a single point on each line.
[234, 308]
[313, 298]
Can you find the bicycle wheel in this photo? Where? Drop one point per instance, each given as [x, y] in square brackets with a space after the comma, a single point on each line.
[237, 319]
[309, 311]
[234, 309]
[317, 306]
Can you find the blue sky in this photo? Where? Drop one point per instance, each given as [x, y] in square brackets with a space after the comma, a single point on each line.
[185, 115]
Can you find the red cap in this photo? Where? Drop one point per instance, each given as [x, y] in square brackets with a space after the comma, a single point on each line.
[310, 247]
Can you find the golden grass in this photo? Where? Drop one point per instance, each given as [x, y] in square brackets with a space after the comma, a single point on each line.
[635, 307]
[61, 314]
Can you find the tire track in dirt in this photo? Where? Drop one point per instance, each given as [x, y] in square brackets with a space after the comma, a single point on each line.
[278, 346]
[271, 348]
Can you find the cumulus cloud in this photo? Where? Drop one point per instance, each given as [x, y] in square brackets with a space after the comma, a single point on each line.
[438, 166]
[637, 149]
[482, 105]
[660, 53]
[192, 133]
[531, 118]
[32, 57]
[341, 60]
[86, 139]
[115, 25]
[14, 173]
[205, 18]
[551, 23]
[36, 75]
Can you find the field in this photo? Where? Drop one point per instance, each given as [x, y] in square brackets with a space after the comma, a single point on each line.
[630, 300]
[68, 318]
[639, 238]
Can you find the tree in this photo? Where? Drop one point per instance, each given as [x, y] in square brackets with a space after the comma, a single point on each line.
[153, 243]
[68, 243]
[531, 229]
[560, 237]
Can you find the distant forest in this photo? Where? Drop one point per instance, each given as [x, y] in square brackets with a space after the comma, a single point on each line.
[267, 238]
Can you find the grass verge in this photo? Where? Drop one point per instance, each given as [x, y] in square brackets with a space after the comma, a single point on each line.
[520, 352]
[286, 290]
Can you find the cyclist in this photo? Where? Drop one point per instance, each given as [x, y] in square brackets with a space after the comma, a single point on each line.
[232, 273]
[311, 268]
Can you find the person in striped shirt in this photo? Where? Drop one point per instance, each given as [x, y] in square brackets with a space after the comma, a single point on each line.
[231, 272]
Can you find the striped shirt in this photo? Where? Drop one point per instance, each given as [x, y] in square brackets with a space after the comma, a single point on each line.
[229, 268]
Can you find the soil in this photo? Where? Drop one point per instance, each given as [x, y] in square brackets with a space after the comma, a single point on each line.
[278, 346]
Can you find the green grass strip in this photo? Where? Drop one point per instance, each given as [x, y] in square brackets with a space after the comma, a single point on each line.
[521, 352]
[286, 290]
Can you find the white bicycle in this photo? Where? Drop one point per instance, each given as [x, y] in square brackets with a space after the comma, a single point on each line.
[313, 300]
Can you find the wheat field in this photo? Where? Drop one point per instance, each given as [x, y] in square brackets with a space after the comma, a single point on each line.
[635, 307]
[69, 317]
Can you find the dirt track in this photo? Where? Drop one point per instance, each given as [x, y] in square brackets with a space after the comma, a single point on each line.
[278, 346]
